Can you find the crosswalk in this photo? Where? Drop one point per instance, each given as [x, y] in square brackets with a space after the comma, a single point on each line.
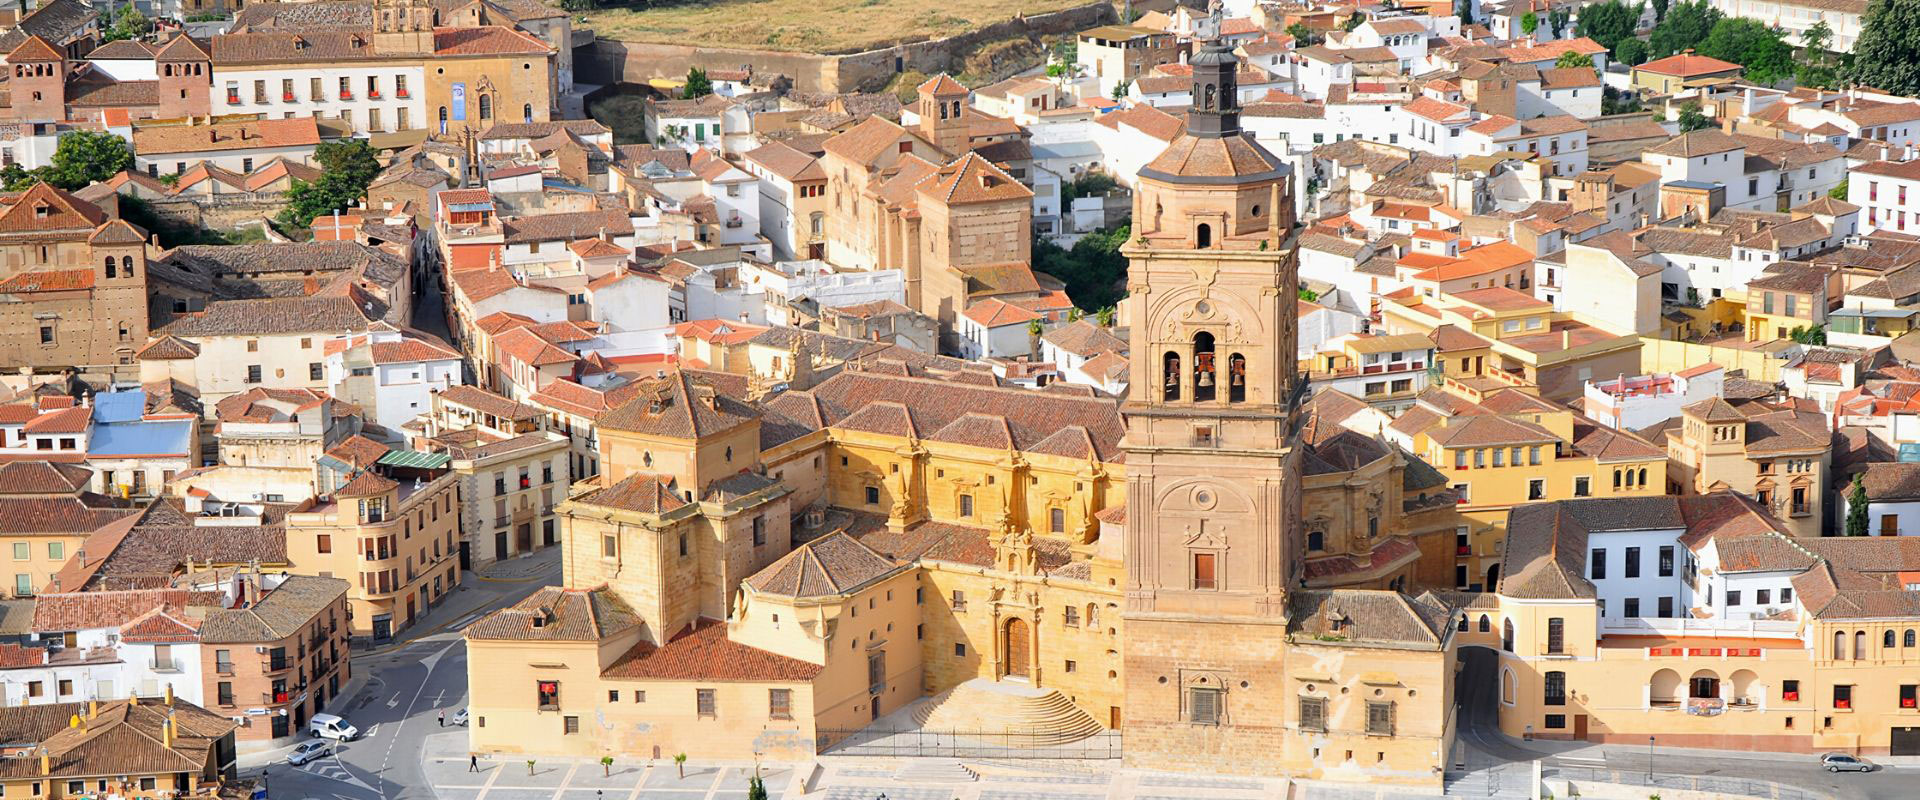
[332, 770]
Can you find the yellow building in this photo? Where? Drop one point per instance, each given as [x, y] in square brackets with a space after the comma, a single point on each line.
[1780, 458]
[1507, 448]
[139, 748]
[392, 531]
[49, 513]
[1763, 640]
[1528, 344]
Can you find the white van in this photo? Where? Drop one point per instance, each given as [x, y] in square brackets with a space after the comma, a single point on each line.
[328, 726]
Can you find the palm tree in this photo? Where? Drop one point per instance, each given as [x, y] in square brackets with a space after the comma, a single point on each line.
[680, 761]
[529, 766]
[606, 766]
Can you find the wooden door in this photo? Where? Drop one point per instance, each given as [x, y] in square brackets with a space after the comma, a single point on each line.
[1019, 642]
[1580, 727]
[1113, 718]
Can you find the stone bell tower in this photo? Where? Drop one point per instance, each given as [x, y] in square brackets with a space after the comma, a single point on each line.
[1212, 471]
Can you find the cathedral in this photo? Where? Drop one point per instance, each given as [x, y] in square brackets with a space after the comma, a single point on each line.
[1211, 574]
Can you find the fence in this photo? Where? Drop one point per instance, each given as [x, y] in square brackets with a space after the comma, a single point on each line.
[1740, 787]
[1002, 744]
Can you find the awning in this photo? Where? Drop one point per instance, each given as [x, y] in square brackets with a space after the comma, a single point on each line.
[414, 459]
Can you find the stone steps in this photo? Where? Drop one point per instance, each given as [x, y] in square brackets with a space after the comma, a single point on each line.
[923, 771]
[1038, 717]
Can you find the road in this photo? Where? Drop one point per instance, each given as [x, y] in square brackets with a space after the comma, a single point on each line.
[408, 686]
[1497, 765]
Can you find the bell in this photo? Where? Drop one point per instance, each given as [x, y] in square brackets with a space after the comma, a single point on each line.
[1172, 380]
[1239, 379]
[1206, 379]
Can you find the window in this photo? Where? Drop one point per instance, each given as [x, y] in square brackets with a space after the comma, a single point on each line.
[966, 505]
[609, 546]
[35, 689]
[1908, 696]
[1790, 690]
[22, 551]
[1556, 689]
[873, 495]
[1597, 564]
[570, 725]
[1632, 608]
[1072, 617]
[1057, 520]
[1313, 714]
[683, 545]
[704, 703]
[1762, 597]
[549, 695]
[759, 531]
[780, 704]
[1203, 571]
[323, 542]
[1555, 721]
[1556, 636]
[1537, 489]
[1203, 706]
[1633, 562]
[1379, 719]
[1843, 697]
[1666, 561]
[315, 370]
[65, 687]
[959, 650]
[1666, 608]
[1733, 597]
[253, 373]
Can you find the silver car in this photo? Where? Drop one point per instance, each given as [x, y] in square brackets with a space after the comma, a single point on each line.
[459, 718]
[309, 750]
[1841, 762]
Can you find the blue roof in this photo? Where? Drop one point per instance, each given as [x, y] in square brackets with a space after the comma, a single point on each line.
[110, 407]
[151, 438]
[1909, 453]
[1692, 184]
[470, 206]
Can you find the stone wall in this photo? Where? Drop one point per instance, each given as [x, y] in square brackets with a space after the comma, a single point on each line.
[609, 62]
[218, 213]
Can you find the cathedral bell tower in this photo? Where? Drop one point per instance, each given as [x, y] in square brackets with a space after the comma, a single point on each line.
[1213, 487]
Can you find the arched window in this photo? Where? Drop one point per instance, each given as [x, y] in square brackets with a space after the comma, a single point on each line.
[1887, 640]
[1509, 687]
[1463, 623]
[1506, 636]
[1839, 645]
[126, 266]
[1643, 476]
[443, 119]
[1485, 624]
[1171, 365]
[1236, 378]
[1093, 614]
[486, 106]
[526, 113]
[1907, 639]
[1859, 645]
[818, 222]
[1202, 235]
[110, 270]
[1203, 369]
[1207, 104]
[943, 110]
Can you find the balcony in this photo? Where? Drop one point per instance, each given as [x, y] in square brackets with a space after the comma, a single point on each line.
[163, 665]
[373, 95]
[346, 95]
[233, 99]
[287, 97]
[276, 664]
[223, 667]
[225, 699]
[401, 93]
[276, 698]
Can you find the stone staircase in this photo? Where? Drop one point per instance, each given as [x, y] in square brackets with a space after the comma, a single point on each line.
[1037, 717]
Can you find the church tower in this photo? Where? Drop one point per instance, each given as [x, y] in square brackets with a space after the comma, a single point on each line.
[1213, 480]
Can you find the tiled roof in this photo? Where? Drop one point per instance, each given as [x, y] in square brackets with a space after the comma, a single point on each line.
[120, 737]
[1365, 616]
[566, 226]
[554, 614]
[487, 402]
[41, 477]
[973, 179]
[1686, 65]
[678, 406]
[994, 313]
[641, 492]
[284, 611]
[835, 564]
[931, 405]
[44, 208]
[706, 653]
[1084, 337]
[352, 312]
[490, 40]
[59, 280]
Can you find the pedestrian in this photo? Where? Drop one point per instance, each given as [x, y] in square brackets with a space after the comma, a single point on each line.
[473, 762]
[443, 718]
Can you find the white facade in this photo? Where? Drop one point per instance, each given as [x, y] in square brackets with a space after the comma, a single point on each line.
[1639, 574]
[1888, 196]
[370, 99]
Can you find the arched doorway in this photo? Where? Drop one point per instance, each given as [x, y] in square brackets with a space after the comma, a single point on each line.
[1493, 578]
[1019, 644]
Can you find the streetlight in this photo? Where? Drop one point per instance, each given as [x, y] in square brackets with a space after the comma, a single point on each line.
[1649, 761]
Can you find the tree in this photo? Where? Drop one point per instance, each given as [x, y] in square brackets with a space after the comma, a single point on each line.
[1693, 119]
[1660, 9]
[1105, 316]
[1309, 295]
[1761, 49]
[349, 166]
[1610, 23]
[1805, 335]
[1613, 101]
[1683, 27]
[1464, 10]
[1838, 192]
[1857, 507]
[1816, 67]
[128, 23]
[756, 790]
[1573, 59]
[15, 178]
[1529, 22]
[1557, 20]
[606, 766]
[1094, 270]
[578, 5]
[1120, 89]
[697, 84]
[1352, 22]
[84, 158]
[529, 766]
[1631, 52]
[1887, 54]
[680, 761]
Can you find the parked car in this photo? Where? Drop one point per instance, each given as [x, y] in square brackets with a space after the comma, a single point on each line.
[459, 718]
[309, 750]
[1841, 762]
[328, 726]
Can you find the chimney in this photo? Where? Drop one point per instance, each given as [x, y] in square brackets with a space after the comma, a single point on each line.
[169, 695]
[1566, 340]
[166, 733]
[93, 708]
[46, 762]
